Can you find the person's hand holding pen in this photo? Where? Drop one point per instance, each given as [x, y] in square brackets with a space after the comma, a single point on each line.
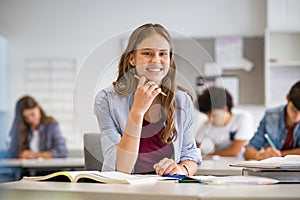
[270, 151]
[144, 95]
[161, 92]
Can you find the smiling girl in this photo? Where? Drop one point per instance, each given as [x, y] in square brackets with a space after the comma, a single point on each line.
[142, 130]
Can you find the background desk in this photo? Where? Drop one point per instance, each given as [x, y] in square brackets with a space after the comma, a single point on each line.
[10, 169]
[17, 166]
[52, 164]
[219, 167]
[162, 190]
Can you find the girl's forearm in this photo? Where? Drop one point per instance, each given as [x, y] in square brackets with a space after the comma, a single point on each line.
[128, 148]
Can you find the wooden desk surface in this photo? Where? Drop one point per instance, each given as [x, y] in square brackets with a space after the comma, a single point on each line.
[165, 190]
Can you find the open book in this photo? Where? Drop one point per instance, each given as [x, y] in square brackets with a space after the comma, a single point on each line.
[94, 176]
[286, 162]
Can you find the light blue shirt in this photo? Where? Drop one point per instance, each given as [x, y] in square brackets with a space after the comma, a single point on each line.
[273, 123]
[51, 139]
[112, 112]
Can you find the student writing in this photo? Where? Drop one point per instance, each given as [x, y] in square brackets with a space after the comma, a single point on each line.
[282, 126]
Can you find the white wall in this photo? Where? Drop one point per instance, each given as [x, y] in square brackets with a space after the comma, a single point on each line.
[73, 28]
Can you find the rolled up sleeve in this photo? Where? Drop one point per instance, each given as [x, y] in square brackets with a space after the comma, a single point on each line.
[189, 150]
[110, 134]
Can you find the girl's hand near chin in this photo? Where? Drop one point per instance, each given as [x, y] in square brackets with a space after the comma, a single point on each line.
[144, 95]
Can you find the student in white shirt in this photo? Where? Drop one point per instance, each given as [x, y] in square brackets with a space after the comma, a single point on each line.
[226, 130]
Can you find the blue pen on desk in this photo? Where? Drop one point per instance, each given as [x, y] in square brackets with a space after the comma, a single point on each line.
[178, 176]
[269, 141]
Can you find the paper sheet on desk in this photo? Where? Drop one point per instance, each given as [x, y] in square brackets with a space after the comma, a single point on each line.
[202, 177]
[238, 180]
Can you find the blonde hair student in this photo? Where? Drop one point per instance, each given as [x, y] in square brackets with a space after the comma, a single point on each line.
[145, 119]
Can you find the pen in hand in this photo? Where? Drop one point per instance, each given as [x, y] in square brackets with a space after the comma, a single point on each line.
[269, 141]
[160, 92]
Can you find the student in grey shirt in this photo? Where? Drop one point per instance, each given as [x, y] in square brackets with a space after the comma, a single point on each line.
[145, 120]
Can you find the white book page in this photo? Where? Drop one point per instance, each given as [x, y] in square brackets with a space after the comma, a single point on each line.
[282, 160]
[73, 174]
[202, 177]
[115, 175]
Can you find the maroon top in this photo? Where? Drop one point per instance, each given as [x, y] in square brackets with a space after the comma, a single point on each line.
[151, 149]
[289, 140]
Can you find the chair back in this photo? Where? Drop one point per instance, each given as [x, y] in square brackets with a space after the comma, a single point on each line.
[93, 157]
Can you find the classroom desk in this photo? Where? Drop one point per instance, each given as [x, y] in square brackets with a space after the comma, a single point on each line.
[52, 164]
[10, 169]
[32, 166]
[165, 190]
[219, 167]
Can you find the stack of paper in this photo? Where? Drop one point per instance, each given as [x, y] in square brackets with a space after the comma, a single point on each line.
[285, 169]
[287, 162]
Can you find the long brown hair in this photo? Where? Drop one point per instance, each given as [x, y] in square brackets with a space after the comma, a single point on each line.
[126, 83]
[20, 128]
